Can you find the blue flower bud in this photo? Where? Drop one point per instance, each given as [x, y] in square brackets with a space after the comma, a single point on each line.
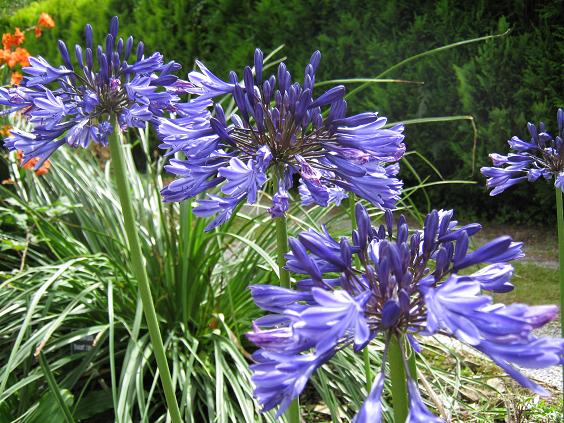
[119, 46]
[109, 45]
[258, 65]
[89, 62]
[128, 47]
[88, 35]
[140, 50]
[78, 55]
[65, 54]
[114, 26]
[391, 313]
[315, 59]
[330, 96]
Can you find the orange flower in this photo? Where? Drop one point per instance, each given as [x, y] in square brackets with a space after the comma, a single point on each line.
[4, 55]
[9, 40]
[19, 56]
[18, 37]
[31, 164]
[44, 168]
[9, 181]
[5, 130]
[45, 21]
[38, 32]
[22, 56]
[12, 60]
[16, 78]
[19, 156]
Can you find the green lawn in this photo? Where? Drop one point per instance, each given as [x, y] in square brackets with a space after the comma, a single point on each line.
[536, 275]
[534, 284]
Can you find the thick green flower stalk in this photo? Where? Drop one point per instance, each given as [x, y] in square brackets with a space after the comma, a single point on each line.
[293, 413]
[140, 273]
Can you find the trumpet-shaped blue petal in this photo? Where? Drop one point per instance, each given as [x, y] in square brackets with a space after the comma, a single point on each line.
[418, 411]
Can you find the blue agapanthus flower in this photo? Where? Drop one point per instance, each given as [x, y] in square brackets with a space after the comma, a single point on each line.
[279, 130]
[78, 103]
[542, 156]
[399, 285]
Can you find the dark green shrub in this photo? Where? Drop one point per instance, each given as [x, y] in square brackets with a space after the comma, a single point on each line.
[502, 82]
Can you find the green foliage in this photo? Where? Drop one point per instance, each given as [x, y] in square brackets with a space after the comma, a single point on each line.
[8, 7]
[73, 300]
[75, 287]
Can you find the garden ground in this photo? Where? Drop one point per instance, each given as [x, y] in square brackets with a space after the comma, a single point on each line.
[536, 275]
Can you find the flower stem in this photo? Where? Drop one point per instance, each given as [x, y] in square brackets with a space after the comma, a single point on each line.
[140, 273]
[560, 220]
[367, 368]
[281, 249]
[399, 380]
[365, 351]
[293, 413]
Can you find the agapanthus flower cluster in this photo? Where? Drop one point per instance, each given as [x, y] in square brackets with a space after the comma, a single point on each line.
[77, 104]
[279, 130]
[387, 282]
[542, 156]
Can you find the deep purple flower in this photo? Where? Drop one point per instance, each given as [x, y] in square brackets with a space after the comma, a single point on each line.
[371, 410]
[40, 72]
[280, 203]
[76, 104]
[305, 138]
[281, 377]
[418, 411]
[221, 206]
[392, 283]
[541, 157]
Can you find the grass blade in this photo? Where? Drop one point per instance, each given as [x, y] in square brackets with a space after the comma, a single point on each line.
[367, 80]
[55, 389]
[30, 310]
[425, 54]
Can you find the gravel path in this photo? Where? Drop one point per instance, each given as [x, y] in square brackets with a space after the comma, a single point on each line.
[551, 375]
[540, 248]
[551, 264]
